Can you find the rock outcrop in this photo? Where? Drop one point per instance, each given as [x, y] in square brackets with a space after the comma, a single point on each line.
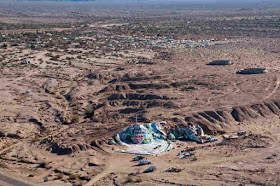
[63, 149]
[224, 120]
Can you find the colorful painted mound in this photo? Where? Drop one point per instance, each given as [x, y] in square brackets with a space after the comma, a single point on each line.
[143, 139]
[141, 134]
[154, 138]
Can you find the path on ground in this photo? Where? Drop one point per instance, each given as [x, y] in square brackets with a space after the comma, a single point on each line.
[5, 180]
[274, 90]
[113, 164]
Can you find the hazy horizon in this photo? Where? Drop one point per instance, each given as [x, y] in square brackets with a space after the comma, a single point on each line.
[166, 1]
[127, 5]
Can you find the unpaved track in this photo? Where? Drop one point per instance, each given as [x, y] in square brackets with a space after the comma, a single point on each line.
[104, 173]
[5, 180]
[9, 179]
[113, 165]
[274, 90]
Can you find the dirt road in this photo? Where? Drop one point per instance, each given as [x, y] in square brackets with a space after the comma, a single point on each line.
[8, 181]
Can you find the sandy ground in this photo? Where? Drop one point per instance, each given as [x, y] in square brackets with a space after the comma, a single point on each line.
[215, 164]
[41, 122]
[85, 84]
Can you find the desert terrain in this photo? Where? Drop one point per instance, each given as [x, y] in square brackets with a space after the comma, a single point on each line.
[70, 81]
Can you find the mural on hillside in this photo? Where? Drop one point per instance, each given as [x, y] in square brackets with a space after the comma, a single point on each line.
[156, 138]
[141, 134]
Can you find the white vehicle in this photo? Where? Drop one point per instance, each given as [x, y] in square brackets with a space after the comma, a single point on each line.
[144, 162]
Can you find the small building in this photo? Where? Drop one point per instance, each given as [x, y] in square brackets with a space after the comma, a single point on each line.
[150, 169]
[144, 162]
[25, 62]
[252, 71]
[220, 62]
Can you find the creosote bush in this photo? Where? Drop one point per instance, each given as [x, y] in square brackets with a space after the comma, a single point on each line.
[75, 118]
[89, 112]
[74, 177]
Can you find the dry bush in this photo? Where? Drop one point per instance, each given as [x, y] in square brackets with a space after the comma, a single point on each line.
[45, 165]
[139, 180]
[35, 139]
[75, 118]
[87, 178]
[129, 180]
[59, 176]
[89, 112]
[74, 177]
[133, 180]
[4, 45]
[194, 159]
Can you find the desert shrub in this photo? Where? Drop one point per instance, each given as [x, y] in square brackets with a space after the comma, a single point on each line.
[43, 165]
[138, 180]
[89, 112]
[133, 180]
[129, 180]
[35, 139]
[59, 176]
[194, 159]
[75, 118]
[87, 178]
[47, 131]
[74, 177]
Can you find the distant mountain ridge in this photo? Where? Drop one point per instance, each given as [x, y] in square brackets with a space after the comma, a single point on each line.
[59, 0]
[174, 1]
